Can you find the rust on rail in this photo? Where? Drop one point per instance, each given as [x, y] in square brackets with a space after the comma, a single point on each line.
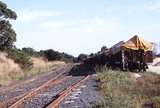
[35, 91]
[66, 92]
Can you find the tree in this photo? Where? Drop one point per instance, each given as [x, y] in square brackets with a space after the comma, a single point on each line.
[82, 57]
[7, 34]
[30, 51]
[104, 48]
[51, 55]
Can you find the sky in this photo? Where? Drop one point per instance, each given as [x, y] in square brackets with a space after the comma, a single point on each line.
[83, 26]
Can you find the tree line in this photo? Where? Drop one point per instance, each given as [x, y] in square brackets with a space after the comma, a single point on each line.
[22, 56]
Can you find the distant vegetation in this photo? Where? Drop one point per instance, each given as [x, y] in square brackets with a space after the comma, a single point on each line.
[31, 52]
[49, 54]
[20, 57]
[52, 55]
[82, 57]
[19, 64]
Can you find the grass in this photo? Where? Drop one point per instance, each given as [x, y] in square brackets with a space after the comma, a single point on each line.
[39, 66]
[30, 73]
[121, 90]
[12, 72]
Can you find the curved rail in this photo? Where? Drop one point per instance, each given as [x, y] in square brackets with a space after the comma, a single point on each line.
[66, 92]
[34, 92]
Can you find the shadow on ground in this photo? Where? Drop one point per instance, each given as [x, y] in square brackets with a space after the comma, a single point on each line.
[82, 70]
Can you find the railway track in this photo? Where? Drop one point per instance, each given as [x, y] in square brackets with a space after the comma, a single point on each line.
[65, 84]
[56, 101]
[10, 96]
[13, 87]
[34, 92]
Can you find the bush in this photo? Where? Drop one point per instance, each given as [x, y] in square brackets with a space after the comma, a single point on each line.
[31, 52]
[82, 57]
[118, 89]
[52, 55]
[113, 101]
[20, 57]
[156, 101]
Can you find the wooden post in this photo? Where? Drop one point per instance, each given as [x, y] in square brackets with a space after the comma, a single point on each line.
[123, 60]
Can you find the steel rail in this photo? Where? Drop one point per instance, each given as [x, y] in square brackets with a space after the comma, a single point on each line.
[66, 93]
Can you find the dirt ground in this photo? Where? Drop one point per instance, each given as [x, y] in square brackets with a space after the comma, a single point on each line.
[155, 66]
[155, 69]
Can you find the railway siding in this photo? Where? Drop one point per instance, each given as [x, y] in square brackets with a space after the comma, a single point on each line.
[55, 90]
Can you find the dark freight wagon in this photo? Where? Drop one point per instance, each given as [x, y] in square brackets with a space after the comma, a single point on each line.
[131, 55]
[136, 53]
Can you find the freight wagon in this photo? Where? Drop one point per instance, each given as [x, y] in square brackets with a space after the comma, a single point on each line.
[132, 55]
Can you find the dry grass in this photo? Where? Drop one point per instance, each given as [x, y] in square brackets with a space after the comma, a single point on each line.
[122, 90]
[10, 71]
[7, 66]
[40, 66]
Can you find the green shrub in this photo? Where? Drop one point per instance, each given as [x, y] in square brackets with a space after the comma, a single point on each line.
[156, 101]
[20, 57]
[112, 101]
[52, 55]
[118, 90]
[31, 52]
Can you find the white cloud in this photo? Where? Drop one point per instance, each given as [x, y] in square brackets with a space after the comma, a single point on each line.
[146, 6]
[152, 6]
[95, 24]
[152, 27]
[98, 24]
[53, 24]
[113, 8]
[127, 9]
[30, 15]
